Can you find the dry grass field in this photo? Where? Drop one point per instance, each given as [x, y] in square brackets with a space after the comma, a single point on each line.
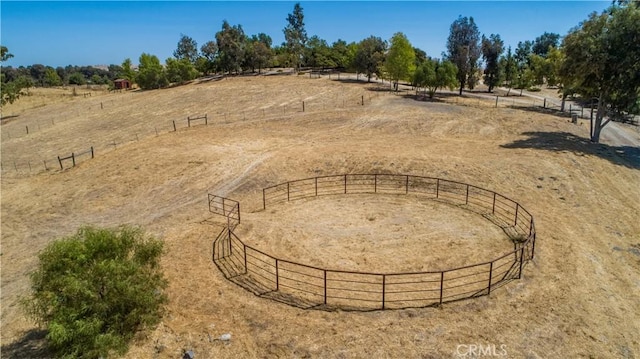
[578, 298]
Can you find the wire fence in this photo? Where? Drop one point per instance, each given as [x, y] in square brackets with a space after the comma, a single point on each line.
[309, 286]
[25, 164]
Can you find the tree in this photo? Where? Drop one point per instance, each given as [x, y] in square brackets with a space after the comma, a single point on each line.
[180, 70]
[318, 53]
[401, 59]
[340, 54]
[509, 66]
[187, 49]
[601, 61]
[369, 56]
[94, 290]
[127, 71]
[207, 62]
[463, 46]
[151, 74]
[76, 78]
[51, 77]
[554, 60]
[492, 49]
[544, 42]
[433, 75]
[4, 54]
[295, 35]
[10, 89]
[231, 47]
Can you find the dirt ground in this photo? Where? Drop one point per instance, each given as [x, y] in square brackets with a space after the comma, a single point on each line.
[578, 298]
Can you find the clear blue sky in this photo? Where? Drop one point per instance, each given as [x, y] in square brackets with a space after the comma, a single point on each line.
[59, 33]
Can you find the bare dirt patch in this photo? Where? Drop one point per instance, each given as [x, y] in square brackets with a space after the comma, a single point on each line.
[578, 298]
[374, 233]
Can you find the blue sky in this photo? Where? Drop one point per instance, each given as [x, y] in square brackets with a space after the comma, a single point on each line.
[60, 33]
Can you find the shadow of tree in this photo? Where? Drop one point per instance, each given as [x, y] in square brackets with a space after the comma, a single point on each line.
[31, 345]
[626, 156]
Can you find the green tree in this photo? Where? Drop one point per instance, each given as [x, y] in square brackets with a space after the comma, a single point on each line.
[433, 75]
[10, 89]
[510, 68]
[207, 62]
[401, 59]
[544, 42]
[151, 74]
[370, 56]
[295, 35]
[51, 77]
[258, 52]
[318, 53]
[4, 53]
[601, 61]
[231, 47]
[127, 71]
[76, 78]
[492, 48]
[463, 46]
[554, 60]
[187, 49]
[180, 70]
[94, 290]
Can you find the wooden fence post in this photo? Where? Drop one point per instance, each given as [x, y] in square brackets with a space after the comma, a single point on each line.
[174, 125]
[490, 275]
[60, 161]
[92, 154]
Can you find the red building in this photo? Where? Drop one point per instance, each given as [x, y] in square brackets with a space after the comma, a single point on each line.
[122, 84]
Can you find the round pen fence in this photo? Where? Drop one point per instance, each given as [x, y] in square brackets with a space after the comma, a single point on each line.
[308, 286]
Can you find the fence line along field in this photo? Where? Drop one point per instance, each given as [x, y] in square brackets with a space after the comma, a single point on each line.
[577, 298]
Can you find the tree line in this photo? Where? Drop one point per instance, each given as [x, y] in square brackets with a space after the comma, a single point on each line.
[583, 63]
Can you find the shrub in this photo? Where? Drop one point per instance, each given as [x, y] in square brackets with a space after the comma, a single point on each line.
[94, 290]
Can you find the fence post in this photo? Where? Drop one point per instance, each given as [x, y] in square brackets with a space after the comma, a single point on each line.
[437, 187]
[45, 165]
[238, 206]
[264, 200]
[174, 126]
[316, 186]
[325, 287]
[521, 262]
[92, 155]
[406, 185]
[345, 184]
[206, 120]
[277, 276]
[493, 209]
[245, 259]
[384, 280]
[544, 104]
[303, 103]
[60, 161]
[73, 158]
[490, 275]
[288, 193]
[496, 101]
[362, 100]
[515, 222]
[375, 183]
[27, 127]
[441, 285]
[466, 198]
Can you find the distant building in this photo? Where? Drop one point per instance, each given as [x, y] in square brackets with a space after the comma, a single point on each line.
[122, 84]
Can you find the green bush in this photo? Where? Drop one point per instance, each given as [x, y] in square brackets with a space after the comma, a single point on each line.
[94, 290]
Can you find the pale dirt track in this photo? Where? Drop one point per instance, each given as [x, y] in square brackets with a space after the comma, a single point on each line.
[578, 298]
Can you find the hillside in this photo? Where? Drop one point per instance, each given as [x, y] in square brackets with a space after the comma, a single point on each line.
[578, 298]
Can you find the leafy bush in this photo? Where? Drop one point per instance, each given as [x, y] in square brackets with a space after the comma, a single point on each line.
[94, 290]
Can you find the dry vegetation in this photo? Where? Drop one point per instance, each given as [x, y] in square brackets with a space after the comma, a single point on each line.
[578, 298]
